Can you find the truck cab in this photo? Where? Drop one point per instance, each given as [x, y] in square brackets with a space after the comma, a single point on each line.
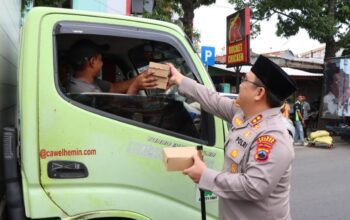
[99, 155]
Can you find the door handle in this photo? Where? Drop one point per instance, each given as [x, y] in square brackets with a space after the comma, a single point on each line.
[62, 169]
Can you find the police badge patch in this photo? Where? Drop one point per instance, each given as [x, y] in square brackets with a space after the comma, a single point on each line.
[264, 147]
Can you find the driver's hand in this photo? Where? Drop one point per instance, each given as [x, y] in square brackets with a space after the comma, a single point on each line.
[145, 80]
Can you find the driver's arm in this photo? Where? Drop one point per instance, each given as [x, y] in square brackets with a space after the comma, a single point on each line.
[143, 81]
[121, 87]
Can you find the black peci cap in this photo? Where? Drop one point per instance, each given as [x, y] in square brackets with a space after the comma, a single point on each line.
[83, 50]
[274, 78]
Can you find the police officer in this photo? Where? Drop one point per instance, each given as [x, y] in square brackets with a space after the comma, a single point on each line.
[255, 181]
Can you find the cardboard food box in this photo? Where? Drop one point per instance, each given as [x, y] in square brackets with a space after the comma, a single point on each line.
[161, 72]
[179, 158]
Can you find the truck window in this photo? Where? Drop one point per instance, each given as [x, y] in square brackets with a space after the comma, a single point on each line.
[127, 56]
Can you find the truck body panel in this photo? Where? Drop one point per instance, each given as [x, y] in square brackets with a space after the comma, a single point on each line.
[95, 155]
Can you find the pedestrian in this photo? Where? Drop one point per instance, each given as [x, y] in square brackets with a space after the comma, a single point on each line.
[299, 122]
[306, 114]
[255, 182]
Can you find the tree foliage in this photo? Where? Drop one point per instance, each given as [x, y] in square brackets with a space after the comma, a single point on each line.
[188, 7]
[325, 20]
[164, 9]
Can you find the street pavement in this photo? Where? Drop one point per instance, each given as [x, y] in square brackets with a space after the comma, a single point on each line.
[321, 182]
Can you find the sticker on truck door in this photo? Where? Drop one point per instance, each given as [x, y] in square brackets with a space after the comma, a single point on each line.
[66, 153]
[209, 196]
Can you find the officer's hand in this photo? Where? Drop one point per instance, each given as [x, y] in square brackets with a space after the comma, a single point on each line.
[175, 76]
[195, 171]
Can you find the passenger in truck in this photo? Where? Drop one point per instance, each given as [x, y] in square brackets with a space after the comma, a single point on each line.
[85, 56]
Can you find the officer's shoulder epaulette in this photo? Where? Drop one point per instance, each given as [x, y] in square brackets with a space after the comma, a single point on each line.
[254, 123]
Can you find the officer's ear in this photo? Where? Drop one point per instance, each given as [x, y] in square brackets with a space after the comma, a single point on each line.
[260, 93]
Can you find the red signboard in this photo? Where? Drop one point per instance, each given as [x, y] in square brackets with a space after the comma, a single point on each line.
[237, 38]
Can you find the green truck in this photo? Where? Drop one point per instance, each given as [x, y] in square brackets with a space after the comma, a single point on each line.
[99, 155]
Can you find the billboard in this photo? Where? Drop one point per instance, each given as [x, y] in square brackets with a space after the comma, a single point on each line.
[336, 87]
[237, 38]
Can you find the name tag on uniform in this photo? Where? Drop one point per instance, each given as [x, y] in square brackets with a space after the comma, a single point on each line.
[241, 142]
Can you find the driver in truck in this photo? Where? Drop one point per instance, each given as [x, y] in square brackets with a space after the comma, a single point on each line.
[85, 56]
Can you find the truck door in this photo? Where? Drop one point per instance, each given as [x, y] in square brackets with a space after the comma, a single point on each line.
[102, 151]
